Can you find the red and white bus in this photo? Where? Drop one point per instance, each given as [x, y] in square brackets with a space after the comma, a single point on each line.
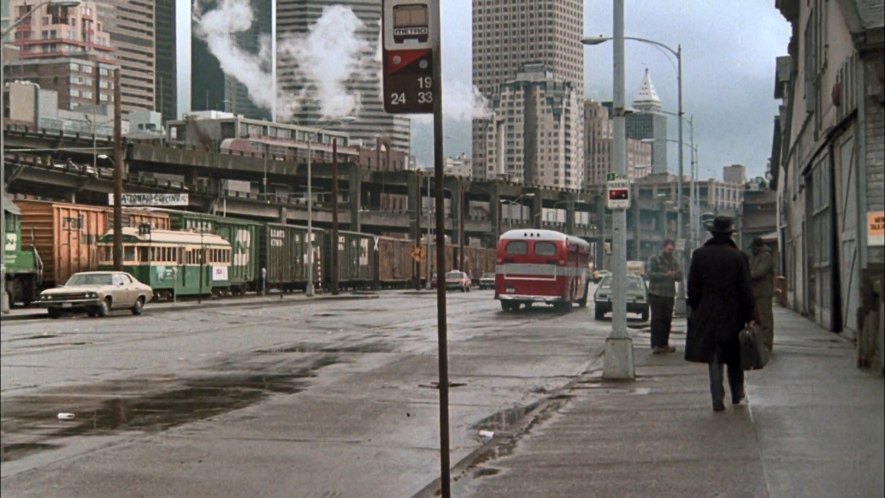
[541, 266]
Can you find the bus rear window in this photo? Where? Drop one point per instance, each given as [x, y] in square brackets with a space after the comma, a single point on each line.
[545, 249]
[518, 248]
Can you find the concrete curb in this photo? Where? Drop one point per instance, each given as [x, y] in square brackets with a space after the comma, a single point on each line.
[37, 313]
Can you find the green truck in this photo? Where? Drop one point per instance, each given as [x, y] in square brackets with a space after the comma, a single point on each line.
[22, 263]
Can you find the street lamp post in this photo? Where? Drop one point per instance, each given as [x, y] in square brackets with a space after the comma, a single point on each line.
[4, 297]
[309, 288]
[515, 202]
[618, 360]
[680, 298]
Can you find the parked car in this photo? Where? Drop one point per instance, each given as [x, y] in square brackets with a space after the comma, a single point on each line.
[636, 295]
[600, 274]
[487, 281]
[456, 279]
[96, 293]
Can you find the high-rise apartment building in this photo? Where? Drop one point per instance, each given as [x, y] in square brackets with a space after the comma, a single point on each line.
[64, 49]
[507, 34]
[295, 18]
[536, 130]
[131, 26]
[647, 122]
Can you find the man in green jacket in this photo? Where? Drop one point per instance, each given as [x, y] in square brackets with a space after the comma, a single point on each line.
[762, 284]
[663, 272]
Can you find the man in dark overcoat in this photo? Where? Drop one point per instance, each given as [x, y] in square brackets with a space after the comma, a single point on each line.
[721, 306]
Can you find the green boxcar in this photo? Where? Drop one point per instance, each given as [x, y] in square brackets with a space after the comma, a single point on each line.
[283, 253]
[356, 260]
[172, 262]
[24, 268]
[242, 235]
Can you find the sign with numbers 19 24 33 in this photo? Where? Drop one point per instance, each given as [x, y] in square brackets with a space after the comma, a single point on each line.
[410, 43]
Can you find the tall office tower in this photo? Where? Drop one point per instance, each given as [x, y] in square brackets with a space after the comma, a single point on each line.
[295, 18]
[66, 50]
[167, 45]
[130, 24]
[510, 33]
[598, 138]
[536, 131]
[648, 123]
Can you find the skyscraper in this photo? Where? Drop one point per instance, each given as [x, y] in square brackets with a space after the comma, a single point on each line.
[507, 34]
[535, 132]
[648, 123]
[130, 24]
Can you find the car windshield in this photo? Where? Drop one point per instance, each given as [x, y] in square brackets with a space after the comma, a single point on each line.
[454, 274]
[488, 275]
[633, 282]
[90, 279]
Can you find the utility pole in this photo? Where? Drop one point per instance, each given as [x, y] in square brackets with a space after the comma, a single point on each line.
[334, 262]
[118, 174]
[419, 212]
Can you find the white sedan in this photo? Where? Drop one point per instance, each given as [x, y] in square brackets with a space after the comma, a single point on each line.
[96, 293]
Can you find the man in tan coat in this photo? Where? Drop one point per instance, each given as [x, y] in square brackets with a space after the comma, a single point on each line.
[762, 284]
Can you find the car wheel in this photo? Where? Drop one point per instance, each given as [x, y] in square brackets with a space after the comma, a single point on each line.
[103, 308]
[138, 307]
[644, 315]
[599, 314]
[90, 313]
[53, 312]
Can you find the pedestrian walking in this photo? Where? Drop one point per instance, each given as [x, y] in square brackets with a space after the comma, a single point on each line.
[663, 271]
[762, 285]
[721, 306]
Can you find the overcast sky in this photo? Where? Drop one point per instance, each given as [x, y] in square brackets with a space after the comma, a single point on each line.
[729, 51]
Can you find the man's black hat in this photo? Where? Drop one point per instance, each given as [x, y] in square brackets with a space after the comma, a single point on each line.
[722, 224]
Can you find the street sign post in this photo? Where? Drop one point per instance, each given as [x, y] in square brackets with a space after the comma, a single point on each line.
[410, 32]
[618, 194]
[412, 77]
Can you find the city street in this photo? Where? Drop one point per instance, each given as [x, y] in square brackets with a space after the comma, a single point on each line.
[330, 397]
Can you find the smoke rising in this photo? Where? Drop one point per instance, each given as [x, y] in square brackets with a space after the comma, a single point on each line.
[326, 58]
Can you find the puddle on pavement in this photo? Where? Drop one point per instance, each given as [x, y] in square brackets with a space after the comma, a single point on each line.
[31, 422]
[505, 419]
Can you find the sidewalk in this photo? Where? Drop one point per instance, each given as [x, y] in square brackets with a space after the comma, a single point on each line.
[813, 426]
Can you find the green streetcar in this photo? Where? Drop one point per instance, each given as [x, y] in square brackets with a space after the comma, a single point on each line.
[172, 262]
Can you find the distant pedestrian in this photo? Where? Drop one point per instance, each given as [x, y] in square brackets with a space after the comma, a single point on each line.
[762, 284]
[663, 271]
[721, 305]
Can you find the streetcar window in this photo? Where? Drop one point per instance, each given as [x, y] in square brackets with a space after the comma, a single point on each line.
[144, 254]
[518, 248]
[545, 249]
[129, 253]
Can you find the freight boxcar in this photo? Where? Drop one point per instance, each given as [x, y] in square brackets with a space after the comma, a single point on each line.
[172, 262]
[66, 235]
[283, 254]
[242, 235]
[395, 264]
[356, 261]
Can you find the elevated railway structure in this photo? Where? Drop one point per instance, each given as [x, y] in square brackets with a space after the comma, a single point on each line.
[59, 166]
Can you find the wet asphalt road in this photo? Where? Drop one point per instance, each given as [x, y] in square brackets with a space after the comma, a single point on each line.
[272, 398]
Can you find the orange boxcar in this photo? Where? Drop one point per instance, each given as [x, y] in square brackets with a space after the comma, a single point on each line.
[66, 235]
